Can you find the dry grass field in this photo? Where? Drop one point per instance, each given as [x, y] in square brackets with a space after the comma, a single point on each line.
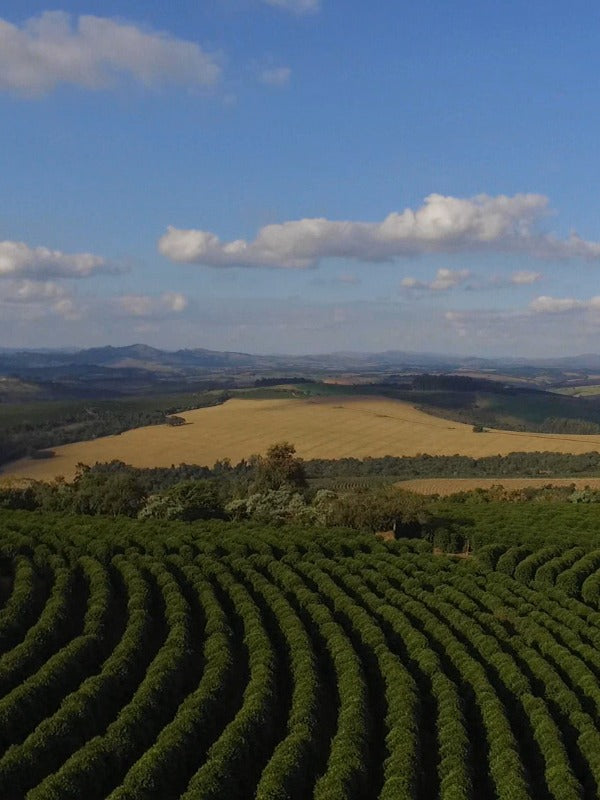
[580, 391]
[319, 427]
[447, 486]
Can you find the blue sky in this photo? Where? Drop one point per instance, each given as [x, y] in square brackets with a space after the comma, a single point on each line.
[301, 176]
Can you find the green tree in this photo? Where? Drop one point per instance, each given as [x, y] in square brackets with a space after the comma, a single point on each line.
[278, 468]
[274, 507]
[187, 501]
[18, 497]
[108, 493]
[381, 509]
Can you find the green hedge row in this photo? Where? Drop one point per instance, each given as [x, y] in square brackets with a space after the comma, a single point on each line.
[346, 771]
[39, 694]
[247, 739]
[400, 766]
[91, 704]
[504, 760]
[182, 743]
[99, 765]
[19, 611]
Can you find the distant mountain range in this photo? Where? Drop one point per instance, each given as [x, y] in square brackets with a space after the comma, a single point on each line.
[198, 360]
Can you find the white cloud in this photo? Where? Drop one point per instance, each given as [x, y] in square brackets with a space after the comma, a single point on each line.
[296, 6]
[557, 305]
[143, 305]
[444, 279]
[275, 76]
[93, 52]
[67, 309]
[174, 301]
[548, 328]
[441, 225]
[30, 291]
[525, 277]
[17, 259]
[40, 295]
[449, 278]
[348, 279]
[455, 316]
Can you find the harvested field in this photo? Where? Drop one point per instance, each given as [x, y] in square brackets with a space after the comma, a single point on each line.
[447, 486]
[327, 427]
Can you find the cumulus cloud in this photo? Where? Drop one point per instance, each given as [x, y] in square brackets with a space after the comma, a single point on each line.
[68, 309]
[143, 305]
[40, 295]
[526, 332]
[525, 277]
[547, 325]
[275, 76]
[444, 279]
[17, 259]
[296, 6]
[557, 305]
[30, 291]
[93, 52]
[441, 225]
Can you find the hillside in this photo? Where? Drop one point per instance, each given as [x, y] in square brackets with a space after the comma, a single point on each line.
[218, 660]
[114, 371]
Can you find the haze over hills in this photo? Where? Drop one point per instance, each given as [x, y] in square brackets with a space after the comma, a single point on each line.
[143, 356]
[139, 369]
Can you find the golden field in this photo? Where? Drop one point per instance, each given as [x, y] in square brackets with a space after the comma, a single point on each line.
[447, 486]
[319, 427]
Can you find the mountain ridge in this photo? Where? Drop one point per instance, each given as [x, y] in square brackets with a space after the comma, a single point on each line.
[199, 358]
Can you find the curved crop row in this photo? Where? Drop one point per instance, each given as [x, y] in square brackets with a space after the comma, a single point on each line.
[509, 560]
[401, 757]
[527, 568]
[547, 574]
[564, 701]
[42, 691]
[93, 703]
[110, 754]
[450, 731]
[345, 772]
[290, 769]
[49, 632]
[505, 764]
[182, 743]
[223, 662]
[570, 581]
[20, 607]
[231, 760]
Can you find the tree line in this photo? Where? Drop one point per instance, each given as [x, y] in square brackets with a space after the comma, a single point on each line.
[271, 489]
[275, 489]
[40, 427]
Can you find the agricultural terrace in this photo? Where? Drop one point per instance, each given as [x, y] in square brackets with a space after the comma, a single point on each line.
[231, 662]
[322, 427]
